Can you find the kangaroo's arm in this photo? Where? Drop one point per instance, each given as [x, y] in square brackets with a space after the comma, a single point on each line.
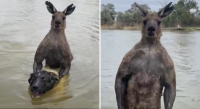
[39, 56]
[65, 67]
[120, 86]
[170, 87]
[38, 59]
[121, 81]
[66, 59]
[37, 65]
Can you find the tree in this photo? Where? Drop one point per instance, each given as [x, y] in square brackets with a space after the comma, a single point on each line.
[133, 15]
[107, 13]
[181, 14]
[134, 9]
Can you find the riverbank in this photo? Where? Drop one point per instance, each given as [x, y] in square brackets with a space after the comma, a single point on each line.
[139, 28]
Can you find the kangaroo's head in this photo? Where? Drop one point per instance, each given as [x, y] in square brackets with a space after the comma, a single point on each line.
[151, 28]
[59, 18]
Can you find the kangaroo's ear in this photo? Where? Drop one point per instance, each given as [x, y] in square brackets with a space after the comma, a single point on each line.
[50, 7]
[69, 9]
[143, 11]
[166, 10]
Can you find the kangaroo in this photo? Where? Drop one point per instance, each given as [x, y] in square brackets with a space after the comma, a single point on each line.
[54, 48]
[147, 68]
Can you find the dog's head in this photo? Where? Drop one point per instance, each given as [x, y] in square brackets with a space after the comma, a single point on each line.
[41, 82]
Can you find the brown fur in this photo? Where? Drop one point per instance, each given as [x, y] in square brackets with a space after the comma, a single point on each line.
[54, 42]
[145, 70]
[142, 89]
[149, 19]
[54, 48]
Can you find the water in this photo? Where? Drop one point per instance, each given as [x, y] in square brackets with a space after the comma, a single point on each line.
[183, 47]
[24, 23]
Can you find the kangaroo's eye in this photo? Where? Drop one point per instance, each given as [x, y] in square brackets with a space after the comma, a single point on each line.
[159, 22]
[53, 17]
[63, 18]
[144, 22]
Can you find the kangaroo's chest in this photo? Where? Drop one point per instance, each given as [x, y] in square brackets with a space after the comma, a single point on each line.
[150, 61]
[53, 50]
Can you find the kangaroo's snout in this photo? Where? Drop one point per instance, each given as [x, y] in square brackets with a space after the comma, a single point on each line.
[57, 22]
[151, 29]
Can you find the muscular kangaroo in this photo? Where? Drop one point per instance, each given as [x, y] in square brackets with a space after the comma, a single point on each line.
[54, 48]
[147, 68]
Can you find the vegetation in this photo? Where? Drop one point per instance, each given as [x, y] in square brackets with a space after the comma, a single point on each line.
[132, 17]
[182, 14]
[107, 14]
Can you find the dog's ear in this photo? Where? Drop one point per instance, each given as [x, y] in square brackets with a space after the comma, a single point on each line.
[53, 78]
[29, 81]
[31, 76]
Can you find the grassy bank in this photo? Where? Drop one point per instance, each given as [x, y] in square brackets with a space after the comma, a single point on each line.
[103, 27]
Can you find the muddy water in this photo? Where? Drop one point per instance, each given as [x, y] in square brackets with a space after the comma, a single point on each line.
[183, 47]
[23, 25]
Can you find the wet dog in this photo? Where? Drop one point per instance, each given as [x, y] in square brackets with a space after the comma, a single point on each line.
[43, 81]
[55, 95]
